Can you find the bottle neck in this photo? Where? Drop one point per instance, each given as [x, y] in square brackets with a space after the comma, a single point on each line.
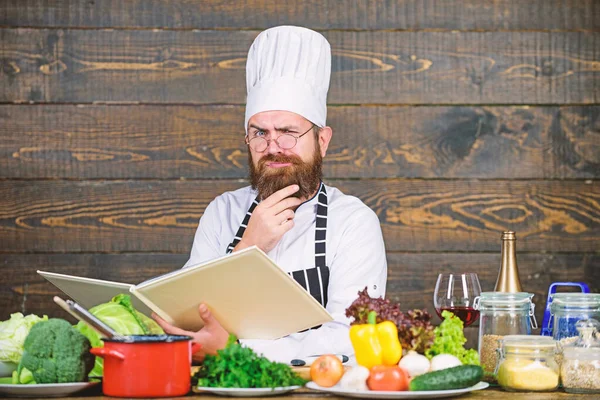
[508, 277]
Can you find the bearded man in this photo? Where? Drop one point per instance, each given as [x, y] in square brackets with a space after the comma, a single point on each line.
[329, 242]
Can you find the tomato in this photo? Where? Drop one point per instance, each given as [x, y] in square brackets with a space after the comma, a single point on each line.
[388, 378]
[326, 370]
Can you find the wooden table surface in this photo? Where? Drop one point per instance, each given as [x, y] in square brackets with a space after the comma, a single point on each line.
[306, 394]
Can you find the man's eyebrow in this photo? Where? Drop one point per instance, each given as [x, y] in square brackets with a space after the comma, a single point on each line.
[287, 128]
[283, 128]
[257, 127]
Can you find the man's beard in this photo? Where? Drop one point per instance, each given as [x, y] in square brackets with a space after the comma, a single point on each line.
[307, 175]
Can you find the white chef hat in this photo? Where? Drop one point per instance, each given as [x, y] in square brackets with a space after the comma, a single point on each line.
[288, 69]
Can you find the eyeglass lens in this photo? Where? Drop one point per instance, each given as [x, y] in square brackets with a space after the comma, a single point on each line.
[284, 141]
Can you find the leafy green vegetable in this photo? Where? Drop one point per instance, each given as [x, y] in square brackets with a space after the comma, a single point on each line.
[449, 339]
[55, 352]
[23, 376]
[96, 341]
[120, 315]
[6, 380]
[148, 325]
[240, 367]
[13, 333]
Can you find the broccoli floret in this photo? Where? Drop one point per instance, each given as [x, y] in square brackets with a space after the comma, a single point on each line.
[56, 352]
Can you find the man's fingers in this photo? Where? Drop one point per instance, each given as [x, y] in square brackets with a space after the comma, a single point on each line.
[285, 215]
[280, 195]
[285, 226]
[284, 204]
[207, 316]
[159, 320]
[168, 328]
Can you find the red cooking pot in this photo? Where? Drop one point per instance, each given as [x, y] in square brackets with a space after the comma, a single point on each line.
[147, 365]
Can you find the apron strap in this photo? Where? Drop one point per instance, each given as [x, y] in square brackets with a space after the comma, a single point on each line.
[242, 228]
[314, 280]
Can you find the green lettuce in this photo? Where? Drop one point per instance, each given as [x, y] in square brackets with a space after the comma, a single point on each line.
[13, 333]
[120, 315]
[450, 338]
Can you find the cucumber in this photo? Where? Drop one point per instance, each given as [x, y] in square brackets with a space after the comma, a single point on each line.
[460, 377]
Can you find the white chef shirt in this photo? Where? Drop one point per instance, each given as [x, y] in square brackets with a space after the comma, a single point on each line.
[355, 255]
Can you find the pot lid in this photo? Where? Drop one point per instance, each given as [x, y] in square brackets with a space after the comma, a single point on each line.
[148, 339]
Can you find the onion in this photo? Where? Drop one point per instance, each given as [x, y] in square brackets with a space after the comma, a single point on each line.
[414, 363]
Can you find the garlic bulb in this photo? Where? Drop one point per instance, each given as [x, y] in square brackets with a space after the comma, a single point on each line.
[355, 378]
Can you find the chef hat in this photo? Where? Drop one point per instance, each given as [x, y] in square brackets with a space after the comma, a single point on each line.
[288, 69]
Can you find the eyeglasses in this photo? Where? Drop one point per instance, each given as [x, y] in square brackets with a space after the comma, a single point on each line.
[285, 141]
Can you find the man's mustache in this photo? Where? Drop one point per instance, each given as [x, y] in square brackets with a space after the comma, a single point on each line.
[280, 158]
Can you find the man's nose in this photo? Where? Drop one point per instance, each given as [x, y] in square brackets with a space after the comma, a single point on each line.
[273, 147]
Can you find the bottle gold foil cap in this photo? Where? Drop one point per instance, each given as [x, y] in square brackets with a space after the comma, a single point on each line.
[509, 235]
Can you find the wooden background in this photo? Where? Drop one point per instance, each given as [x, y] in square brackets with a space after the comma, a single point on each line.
[453, 119]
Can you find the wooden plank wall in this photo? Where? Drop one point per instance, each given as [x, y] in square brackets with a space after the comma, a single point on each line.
[454, 120]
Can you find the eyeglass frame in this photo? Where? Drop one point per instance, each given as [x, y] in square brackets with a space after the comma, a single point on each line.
[277, 138]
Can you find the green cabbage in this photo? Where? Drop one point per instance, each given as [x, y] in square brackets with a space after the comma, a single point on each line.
[120, 315]
[13, 333]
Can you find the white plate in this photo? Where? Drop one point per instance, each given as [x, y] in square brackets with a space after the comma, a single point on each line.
[244, 392]
[44, 389]
[368, 394]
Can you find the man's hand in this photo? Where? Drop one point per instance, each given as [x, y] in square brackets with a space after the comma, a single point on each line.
[212, 336]
[270, 220]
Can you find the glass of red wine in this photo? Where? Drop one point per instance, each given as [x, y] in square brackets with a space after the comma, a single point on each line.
[456, 293]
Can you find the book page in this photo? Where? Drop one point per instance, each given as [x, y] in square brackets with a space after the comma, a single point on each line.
[248, 293]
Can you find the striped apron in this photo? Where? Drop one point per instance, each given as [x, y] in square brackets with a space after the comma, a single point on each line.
[314, 280]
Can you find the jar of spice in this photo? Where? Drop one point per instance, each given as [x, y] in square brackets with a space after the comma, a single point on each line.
[527, 363]
[501, 314]
[580, 369]
[568, 308]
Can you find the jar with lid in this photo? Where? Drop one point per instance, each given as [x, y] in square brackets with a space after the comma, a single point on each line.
[527, 363]
[501, 314]
[580, 367]
[568, 308]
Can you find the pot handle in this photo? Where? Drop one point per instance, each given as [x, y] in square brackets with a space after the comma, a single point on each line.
[196, 347]
[104, 352]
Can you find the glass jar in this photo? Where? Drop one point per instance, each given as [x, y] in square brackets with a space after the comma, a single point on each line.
[580, 368]
[527, 363]
[568, 308]
[501, 314]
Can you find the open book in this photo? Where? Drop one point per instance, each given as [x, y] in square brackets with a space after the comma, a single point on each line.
[247, 292]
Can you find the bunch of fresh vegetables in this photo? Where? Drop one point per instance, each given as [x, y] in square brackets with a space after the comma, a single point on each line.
[40, 355]
[120, 315]
[435, 359]
[415, 330]
[237, 366]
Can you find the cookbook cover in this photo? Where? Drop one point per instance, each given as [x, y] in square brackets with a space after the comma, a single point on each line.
[248, 293]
